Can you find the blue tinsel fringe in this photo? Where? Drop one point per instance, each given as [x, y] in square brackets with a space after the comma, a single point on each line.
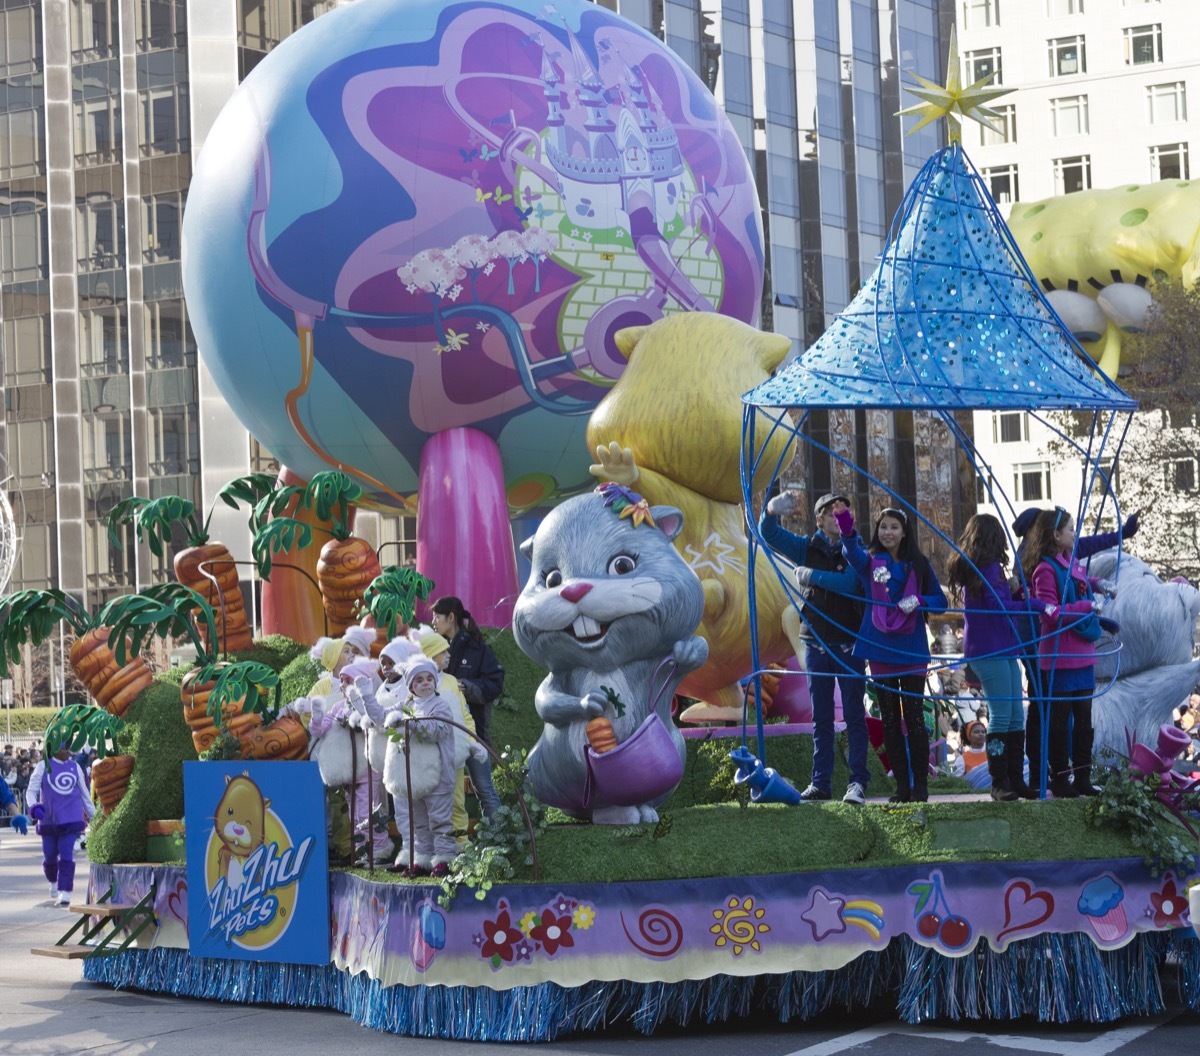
[1055, 978]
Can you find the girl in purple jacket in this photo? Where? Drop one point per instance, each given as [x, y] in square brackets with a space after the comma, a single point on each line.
[992, 645]
[1067, 651]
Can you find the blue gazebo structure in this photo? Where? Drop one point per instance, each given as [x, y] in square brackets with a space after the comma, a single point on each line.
[952, 320]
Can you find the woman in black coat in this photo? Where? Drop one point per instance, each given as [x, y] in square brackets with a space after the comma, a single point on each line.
[481, 677]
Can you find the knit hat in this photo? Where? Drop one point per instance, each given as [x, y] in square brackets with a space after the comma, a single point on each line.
[417, 665]
[1024, 522]
[359, 638]
[433, 644]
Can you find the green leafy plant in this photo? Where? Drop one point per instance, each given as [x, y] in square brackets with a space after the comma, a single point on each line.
[275, 537]
[32, 616]
[502, 844]
[1128, 801]
[154, 520]
[80, 724]
[391, 597]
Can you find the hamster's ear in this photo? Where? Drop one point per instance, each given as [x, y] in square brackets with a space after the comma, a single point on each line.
[266, 803]
[626, 340]
[527, 548]
[228, 778]
[668, 520]
[772, 349]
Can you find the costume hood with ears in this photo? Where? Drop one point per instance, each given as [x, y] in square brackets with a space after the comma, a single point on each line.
[360, 668]
[359, 639]
[399, 651]
[419, 664]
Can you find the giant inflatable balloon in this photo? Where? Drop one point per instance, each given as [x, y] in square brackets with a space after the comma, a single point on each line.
[416, 216]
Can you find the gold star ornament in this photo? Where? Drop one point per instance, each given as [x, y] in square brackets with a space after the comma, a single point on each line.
[952, 98]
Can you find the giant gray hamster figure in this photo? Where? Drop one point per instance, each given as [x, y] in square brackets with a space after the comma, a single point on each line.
[610, 608]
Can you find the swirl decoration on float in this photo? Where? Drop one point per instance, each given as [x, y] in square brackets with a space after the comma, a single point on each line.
[10, 536]
[658, 930]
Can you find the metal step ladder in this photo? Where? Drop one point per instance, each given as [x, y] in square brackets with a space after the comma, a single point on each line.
[125, 922]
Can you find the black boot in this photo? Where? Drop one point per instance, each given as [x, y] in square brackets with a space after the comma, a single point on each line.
[1033, 747]
[897, 753]
[1014, 745]
[1060, 761]
[1081, 758]
[997, 764]
[918, 748]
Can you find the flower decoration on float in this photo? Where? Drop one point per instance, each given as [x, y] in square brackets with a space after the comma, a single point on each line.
[626, 503]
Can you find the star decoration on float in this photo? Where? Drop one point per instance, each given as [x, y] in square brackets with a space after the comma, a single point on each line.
[951, 98]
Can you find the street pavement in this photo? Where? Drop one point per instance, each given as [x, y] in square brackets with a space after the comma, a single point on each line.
[47, 1009]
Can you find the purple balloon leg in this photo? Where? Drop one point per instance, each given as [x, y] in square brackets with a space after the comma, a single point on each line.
[464, 540]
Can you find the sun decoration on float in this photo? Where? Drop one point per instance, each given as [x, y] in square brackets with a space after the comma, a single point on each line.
[736, 925]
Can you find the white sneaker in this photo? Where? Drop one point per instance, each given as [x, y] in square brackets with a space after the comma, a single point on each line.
[64, 898]
[54, 892]
[855, 793]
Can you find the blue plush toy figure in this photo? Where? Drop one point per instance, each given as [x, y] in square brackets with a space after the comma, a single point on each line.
[9, 803]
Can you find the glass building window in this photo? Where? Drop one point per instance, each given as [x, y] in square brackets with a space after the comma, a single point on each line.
[26, 350]
[1181, 474]
[1143, 45]
[1072, 174]
[160, 24]
[94, 29]
[980, 14]
[1062, 8]
[1010, 427]
[97, 131]
[1069, 115]
[1169, 162]
[162, 215]
[169, 339]
[1002, 183]
[1006, 120]
[1068, 56]
[103, 345]
[174, 441]
[1031, 482]
[99, 232]
[984, 63]
[22, 143]
[20, 38]
[24, 251]
[1166, 103]
[164, 120]
[30, 454]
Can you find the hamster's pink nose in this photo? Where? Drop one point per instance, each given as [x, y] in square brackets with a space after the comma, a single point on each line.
[575, 591]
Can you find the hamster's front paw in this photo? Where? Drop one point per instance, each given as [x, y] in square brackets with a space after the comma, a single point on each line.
[690, 654]
[647, 815]
[593, 705]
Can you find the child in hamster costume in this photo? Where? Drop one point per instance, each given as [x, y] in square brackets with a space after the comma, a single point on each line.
[429, 830]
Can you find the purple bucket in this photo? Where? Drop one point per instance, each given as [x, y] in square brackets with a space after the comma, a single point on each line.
[636, 771]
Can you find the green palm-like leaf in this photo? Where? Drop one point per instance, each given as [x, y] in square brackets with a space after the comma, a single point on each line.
[154, 520]
[277, 536]
[251, 489]
[391, 597]
[80, 724]
[164, 610]
[274, 504]
[122, 512]
[250, 680]
[32, 616]
[329, 490]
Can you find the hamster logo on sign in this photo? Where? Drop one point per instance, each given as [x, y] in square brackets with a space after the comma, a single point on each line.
[259, 868]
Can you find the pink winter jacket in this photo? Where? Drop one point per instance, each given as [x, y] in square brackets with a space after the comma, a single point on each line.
[1073, 651]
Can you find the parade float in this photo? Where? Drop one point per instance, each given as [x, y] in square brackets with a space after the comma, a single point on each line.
[672, 887]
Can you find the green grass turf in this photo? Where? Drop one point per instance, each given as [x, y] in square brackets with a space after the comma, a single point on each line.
[709, 834]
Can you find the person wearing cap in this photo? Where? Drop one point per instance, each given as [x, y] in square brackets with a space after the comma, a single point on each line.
[1085, 547]
[832, 611]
